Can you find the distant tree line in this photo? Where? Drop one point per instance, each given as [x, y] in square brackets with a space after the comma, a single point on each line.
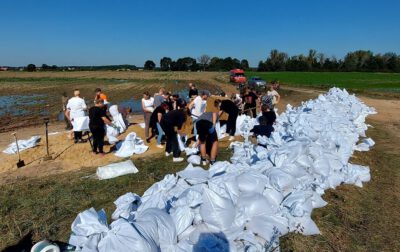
[45, 67]
[357, 61]
[204, 63]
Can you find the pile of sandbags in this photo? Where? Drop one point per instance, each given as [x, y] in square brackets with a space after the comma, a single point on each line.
[248, 203]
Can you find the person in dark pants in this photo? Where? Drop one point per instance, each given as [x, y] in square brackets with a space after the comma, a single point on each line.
[264, 128]
[155, 120]
[250, 103]
[98, 119]
[64, 101]
[232, 110]
[171, 123]
[208, 140]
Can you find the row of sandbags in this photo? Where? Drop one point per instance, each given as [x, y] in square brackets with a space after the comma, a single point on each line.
[248, 203]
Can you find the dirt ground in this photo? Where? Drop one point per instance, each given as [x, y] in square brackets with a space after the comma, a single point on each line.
[68, 156]
[355, 219]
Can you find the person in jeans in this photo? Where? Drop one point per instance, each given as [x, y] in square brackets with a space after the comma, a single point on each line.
[76, 107]
[171, 124]
[148, 108]
[155, 120]
[98, 119]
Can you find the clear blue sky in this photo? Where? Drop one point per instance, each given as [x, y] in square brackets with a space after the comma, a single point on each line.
[99, 32]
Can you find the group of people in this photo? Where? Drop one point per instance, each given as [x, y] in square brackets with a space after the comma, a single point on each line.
[166, 117]
[98, 115]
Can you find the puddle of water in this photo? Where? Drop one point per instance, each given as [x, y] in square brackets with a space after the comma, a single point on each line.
[136, 104]
[18, 105]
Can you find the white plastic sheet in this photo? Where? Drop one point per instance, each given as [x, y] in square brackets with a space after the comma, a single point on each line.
[80, 123]
[131, 145]
[22, 145]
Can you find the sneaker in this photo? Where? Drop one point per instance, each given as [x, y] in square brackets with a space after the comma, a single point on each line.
[159, 146]
[231, 138]
[167, 154]
[177, 159]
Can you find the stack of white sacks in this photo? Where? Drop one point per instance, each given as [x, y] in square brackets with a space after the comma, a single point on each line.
[246, 204]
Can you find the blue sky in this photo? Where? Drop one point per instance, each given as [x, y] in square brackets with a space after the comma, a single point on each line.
[89, 32]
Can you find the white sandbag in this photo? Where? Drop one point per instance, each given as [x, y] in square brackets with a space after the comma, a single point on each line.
[117, 119]
[158, 225]
[116, 170]
[123, 237]
[281, 180]
[268, 226]
[252, 181]
[87, 229]
[217, 211]
[22, 145]
[254, 204]
[303, 225]
[131, 145]
[80, 123]
[193, 175]
[194, 159]
[182, 146]
[126, 205]
[112, 134]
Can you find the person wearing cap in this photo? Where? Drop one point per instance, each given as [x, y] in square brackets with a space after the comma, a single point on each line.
[98, 119]
[76, 107]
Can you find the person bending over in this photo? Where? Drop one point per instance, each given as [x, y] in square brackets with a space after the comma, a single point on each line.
[232, 110]
[208, 140]
[171, 124]
[98, 119]
[155, 120]
[263, 129]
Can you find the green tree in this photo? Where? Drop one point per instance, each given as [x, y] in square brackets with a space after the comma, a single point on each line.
[165, 64]
[244, 64]
[204, 60]
[149, 65]
[31, 68]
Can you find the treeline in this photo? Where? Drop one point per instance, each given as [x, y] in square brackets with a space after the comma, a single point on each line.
[203, 63]
[357, 61]
[45, 67]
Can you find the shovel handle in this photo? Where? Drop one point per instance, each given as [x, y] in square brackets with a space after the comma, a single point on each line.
[16, 142]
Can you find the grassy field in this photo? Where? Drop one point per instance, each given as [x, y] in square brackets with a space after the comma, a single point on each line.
[375, 82]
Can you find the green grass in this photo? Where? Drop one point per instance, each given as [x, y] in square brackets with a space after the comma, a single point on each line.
[377, 82]
[47, 206]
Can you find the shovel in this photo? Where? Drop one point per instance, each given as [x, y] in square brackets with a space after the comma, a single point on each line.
[20, 162]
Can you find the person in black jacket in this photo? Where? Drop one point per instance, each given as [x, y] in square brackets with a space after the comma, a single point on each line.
[98, 119]
[171, 123]
[232, 110]
[208, 140]
[263, 129]
[155, 120]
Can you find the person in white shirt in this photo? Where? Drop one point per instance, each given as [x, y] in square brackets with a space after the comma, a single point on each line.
[148, 108]
[274, 93]
[76, 107]
[197, 107]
